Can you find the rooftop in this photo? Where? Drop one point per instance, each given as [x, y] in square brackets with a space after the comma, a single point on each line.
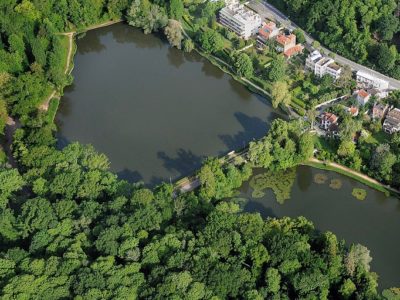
[286, 39]
[334, 66]
[363, 94]
[238, 11]
[393, 117]
[327, 116]
[294, 50]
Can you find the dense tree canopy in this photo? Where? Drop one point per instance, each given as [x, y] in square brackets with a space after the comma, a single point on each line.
[70, 229]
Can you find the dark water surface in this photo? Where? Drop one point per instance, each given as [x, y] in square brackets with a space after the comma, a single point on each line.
[373, 222]
[155, 111]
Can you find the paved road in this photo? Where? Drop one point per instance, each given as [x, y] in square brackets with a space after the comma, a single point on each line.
[266, 10]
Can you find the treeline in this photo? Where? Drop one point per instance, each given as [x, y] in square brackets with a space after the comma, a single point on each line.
[359, 30]
[71, 229]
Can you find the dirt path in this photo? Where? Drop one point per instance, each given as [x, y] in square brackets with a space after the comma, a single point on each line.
[45, 105]
[353, 172]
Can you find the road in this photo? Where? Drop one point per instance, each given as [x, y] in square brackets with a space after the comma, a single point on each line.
[266, 10]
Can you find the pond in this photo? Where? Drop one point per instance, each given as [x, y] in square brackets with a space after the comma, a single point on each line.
[155, 111]
[373, 222]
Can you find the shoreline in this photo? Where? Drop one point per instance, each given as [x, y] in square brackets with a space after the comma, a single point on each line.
[360, 177]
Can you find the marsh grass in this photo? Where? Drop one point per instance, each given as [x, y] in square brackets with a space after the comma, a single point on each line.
[359, 194]
[280, 182]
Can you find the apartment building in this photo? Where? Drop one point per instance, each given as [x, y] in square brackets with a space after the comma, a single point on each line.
[242, 21]
[321, 65]
[370, 81]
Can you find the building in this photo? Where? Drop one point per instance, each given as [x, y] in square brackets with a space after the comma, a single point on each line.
[321, 65]
[285, 42]
[328, 121]
[353, 111]
[287, 45]
[363, 97]
[370, 81]
[266, 32]
[379, 94]
[392, 121]
[293, 51]
[242, 21]
[379, 111]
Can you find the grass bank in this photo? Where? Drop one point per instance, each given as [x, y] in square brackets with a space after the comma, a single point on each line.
[353, 174]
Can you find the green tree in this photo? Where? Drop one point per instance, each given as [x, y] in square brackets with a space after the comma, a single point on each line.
[173, 32]
[211, 41]
[277, 69]
[243, 65]
[176, 9]
[280, 93]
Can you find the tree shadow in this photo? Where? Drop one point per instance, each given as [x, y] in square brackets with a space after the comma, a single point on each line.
[175, 57]
[253, 128]
[253, 206]
[130, 176]
[240, 89]
[184, 163]
[304, 178]
[91, 42]
[211, 71]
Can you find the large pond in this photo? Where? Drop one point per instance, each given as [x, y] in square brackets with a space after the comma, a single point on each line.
[373, 222]
[155, 111]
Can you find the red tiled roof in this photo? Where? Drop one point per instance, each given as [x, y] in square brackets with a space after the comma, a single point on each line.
[293, 51]
[363, 93]
[285, 39]
[353, 110]
[266, 30]
[329, 117]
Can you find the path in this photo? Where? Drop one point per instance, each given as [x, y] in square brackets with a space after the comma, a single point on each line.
[268, 11]
[67, 70]
[45, 105]
[356, 173]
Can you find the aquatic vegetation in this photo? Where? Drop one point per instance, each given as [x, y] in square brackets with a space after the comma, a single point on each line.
[240, 201]
[359, 194]
[280, 182]
[320, 178]
[336, 184]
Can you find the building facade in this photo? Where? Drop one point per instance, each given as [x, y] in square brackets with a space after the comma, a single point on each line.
[321, 65]
[392, 121]
[370, 81]
[240, 20]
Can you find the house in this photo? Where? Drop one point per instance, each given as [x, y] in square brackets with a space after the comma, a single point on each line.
[392, 121]
[287, 45]
[363, 97]
[353, 111]
[242, 21]
[379, 111]
[328, 121]
[370, 81]
[285, 42]
[321, 65]
[293, 51]
[380, 94]
[266, 32]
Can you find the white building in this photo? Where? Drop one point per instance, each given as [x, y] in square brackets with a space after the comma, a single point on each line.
[392, 121]
[370, 81]
[240, 20]
[321, 65]
[363, 97]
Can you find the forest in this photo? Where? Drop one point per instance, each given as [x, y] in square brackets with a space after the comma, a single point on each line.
[363, 31]
[69, 228]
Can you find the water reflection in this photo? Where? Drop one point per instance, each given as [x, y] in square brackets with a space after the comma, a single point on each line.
[373, 222]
